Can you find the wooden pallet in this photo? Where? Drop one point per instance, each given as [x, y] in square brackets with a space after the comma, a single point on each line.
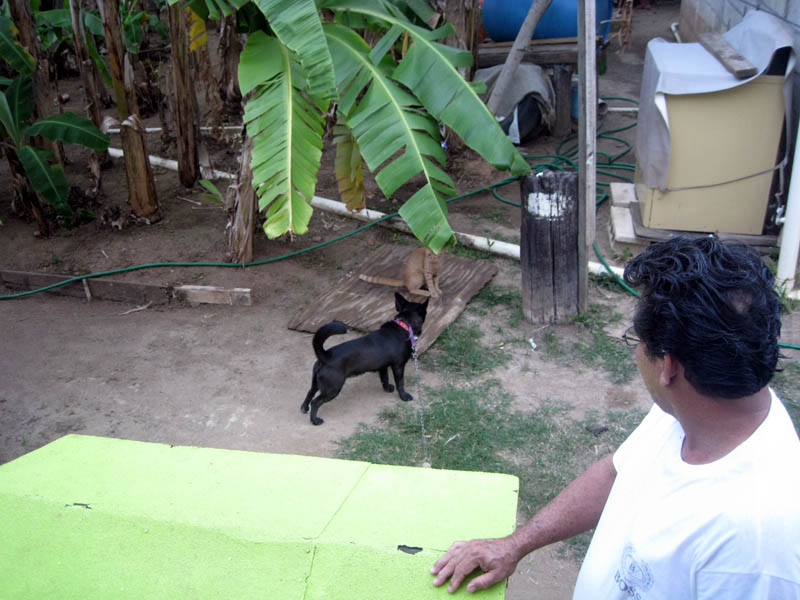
[366, 306]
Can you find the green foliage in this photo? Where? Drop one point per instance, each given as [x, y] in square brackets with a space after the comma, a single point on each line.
[213, 195]
[294, 66]
[474, 429]
[11, 51]
[47, 179]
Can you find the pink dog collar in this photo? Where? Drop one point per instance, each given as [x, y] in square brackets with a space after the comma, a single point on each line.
[407, 327]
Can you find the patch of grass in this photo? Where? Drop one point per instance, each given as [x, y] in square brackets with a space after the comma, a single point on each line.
[467, 252]
[552, 346]
[474, 429]
[606, 282]
[460, 352]
[596, 349]
[496, 216]
[786, 384]
[494, 296]
[603, 351]
[596, 317]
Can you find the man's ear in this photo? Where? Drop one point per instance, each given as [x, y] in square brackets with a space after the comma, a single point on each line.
[670, 369]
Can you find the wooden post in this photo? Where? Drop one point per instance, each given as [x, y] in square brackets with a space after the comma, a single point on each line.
[587, 142]
[549, 246]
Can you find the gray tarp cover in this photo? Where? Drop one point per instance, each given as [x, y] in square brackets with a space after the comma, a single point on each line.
[671, 68]
[527, 79]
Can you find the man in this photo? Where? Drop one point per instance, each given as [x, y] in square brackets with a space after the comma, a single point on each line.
[703, 499]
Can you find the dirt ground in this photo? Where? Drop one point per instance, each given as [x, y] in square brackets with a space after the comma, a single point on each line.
[234, 376]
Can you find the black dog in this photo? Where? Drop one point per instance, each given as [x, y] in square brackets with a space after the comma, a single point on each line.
[389, 346]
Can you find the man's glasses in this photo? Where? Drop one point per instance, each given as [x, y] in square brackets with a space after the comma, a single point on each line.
[630, 337]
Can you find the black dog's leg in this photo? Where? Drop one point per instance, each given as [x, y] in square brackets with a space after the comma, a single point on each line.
[397, 371]
[319, 401]
[311, 392]
[384, 374]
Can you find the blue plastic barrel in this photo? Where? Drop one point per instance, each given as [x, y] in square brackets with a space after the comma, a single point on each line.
[503, 18]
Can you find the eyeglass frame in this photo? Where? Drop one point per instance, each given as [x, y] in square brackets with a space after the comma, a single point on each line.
[630, 337]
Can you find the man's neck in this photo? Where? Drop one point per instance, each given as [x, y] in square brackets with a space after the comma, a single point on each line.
[714, 426]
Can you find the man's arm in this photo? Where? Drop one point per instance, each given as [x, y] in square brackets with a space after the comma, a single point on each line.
[576, 509]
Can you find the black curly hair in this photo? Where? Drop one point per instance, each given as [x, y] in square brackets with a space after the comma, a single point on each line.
[713, 307]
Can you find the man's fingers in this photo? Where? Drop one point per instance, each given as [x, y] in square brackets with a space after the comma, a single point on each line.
[464, 566]
[442, 575]
[482, 582]
[445, 558]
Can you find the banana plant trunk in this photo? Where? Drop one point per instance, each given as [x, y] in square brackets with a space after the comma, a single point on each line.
[86, 66]
[141, 185]
[23, 192]
[45, 94]
[240, 202]
[229, 49]
[184, 100]
[215, 113]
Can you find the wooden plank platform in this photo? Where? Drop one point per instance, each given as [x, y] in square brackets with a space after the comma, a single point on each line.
[628, 227]
[366, 306]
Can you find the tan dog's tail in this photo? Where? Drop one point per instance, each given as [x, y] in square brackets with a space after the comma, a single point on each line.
[381, 280]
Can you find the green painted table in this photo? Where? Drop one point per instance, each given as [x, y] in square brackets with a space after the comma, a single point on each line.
[99, 518]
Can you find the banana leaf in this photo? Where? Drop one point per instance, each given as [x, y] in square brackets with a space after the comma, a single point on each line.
[12, 51]
[347, 165]
[71, 128]
[8, 121]
[297, 25]
[48, 180]
[398, 140]
[19, 95]
[211, 9]
[197, 30]
[429, 69]
[286, 129]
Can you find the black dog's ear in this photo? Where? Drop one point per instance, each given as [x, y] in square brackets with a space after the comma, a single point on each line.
[400, 303]
[425, 306]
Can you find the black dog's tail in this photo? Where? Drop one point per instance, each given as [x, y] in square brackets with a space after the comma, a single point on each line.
[322, 334]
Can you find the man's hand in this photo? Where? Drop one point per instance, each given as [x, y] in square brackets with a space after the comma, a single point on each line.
[497, 558]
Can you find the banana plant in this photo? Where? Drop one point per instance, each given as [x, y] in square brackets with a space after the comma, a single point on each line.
[296, 63]
[46, 179]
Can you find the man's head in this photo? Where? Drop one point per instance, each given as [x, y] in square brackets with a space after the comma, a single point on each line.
[711, 306]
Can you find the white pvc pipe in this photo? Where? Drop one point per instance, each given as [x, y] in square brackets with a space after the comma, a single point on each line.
[159, 129]
[172, 165]
[473, 241]
[790, 233]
